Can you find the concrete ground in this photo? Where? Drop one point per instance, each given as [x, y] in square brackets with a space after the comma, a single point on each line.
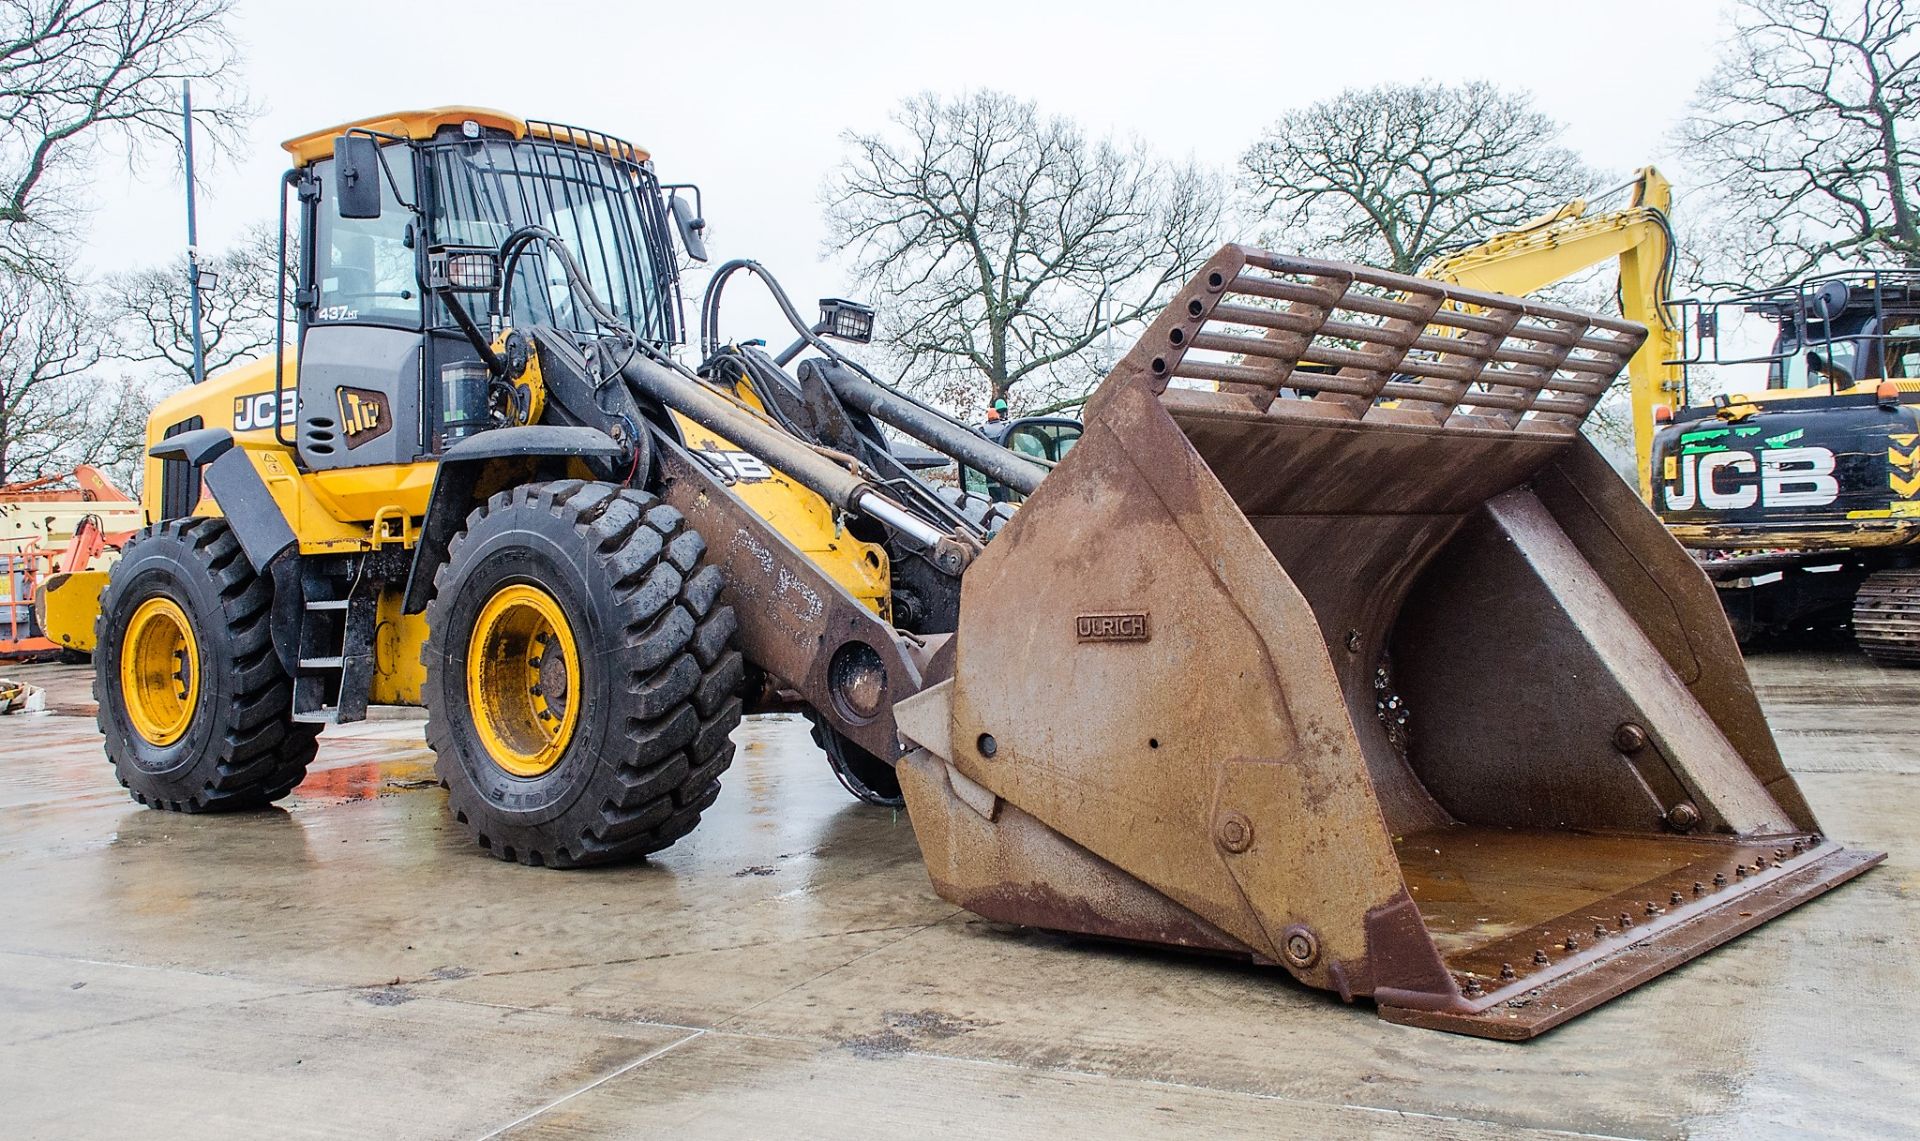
[353, 967]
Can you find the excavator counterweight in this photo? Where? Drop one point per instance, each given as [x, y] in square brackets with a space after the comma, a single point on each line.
[1360, 661]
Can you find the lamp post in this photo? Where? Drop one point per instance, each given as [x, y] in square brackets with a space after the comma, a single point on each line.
[193, 236]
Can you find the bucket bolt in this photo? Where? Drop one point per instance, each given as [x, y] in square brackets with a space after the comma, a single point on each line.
[1673, 899]
[1472, 988]
[1234, 832]
[1506, 971]
[987, 745]
[1683, 816]
[1301, 947]
[1573, 942]
[1759, 863]
[1624, 920]
[1699, 888]
[1629, 738]
[1540, 957]
[1652, 908]
[1719, 879]
[1600, 931]
[1740, 871]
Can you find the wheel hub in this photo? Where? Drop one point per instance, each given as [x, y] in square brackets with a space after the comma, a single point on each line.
[160, 671]
[522, 668]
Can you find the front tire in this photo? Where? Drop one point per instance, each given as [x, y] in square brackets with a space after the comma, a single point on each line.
[581, 682]
[195, 707]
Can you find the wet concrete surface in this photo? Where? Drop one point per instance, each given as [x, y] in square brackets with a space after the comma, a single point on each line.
[350, 966]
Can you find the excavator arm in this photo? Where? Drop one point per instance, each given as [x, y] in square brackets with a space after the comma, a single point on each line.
[1556, 246]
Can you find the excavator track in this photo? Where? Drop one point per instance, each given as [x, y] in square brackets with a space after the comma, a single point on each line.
[1886, 617]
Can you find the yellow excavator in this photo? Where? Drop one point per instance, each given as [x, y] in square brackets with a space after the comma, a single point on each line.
[1330, 644]
[1801, 497]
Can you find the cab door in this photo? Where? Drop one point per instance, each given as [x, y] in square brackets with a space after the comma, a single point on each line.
[361, 372]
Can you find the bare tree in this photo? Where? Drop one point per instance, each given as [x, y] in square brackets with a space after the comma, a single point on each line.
[1005, 245]
[77, 73]
[152, 307]
[47, 406]
[1804, 130]
[1396, 175]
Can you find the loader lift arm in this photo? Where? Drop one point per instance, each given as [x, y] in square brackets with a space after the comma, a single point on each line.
[1556, 246]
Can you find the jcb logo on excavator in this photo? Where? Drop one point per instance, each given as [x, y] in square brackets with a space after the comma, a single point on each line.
[739, 467]
[363, 415]
[254, 411]
[1733, 481]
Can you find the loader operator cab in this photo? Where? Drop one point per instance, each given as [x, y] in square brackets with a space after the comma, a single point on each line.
[418, 257]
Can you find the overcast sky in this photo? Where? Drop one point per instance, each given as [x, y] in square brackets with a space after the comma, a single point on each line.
[748, 99]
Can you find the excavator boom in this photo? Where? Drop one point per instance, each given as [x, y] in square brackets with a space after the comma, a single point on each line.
[1559, 245]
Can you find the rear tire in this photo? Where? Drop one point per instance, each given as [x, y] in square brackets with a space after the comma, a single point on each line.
[195, 707]
[581, 683]
[870, 779]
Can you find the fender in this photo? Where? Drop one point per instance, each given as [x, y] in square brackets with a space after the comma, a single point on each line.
[251, 511]
[459, 473]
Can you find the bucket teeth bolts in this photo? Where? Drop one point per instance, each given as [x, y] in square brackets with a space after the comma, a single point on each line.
[1234, 832]
[1301, 946]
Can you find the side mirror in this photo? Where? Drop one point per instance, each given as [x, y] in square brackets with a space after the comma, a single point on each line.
[1829, 301]
[690, 228]
[356, 176]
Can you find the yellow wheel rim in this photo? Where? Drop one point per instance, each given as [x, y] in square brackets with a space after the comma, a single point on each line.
[160, 671]
[523, 675]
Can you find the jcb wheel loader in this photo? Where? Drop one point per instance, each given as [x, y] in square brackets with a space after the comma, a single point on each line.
[1329, 644]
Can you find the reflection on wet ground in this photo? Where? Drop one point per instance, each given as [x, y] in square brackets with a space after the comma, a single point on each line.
[349, 965]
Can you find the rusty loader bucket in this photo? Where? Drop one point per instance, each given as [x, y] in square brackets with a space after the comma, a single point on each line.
[1334, 644]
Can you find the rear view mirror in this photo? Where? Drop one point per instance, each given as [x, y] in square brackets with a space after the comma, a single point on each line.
[690, 228]
[356, 176]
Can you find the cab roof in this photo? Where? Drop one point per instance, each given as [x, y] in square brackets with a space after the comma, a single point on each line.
[425, 124]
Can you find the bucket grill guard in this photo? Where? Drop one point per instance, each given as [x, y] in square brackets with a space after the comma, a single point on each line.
[1360, 661]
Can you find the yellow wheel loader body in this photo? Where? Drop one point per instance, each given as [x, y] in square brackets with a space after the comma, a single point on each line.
[1363, 664]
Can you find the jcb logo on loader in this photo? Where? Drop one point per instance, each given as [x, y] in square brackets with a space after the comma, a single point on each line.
[363, 415]
[742, 467]
[1734, 481]
[254, 411]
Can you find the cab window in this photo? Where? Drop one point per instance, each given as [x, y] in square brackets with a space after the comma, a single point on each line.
[1903, 353]
[367, 269]
[1044, 441]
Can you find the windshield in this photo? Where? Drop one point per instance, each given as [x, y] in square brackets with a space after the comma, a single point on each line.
[1821, 357]
[365, 270]
[605, 208]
